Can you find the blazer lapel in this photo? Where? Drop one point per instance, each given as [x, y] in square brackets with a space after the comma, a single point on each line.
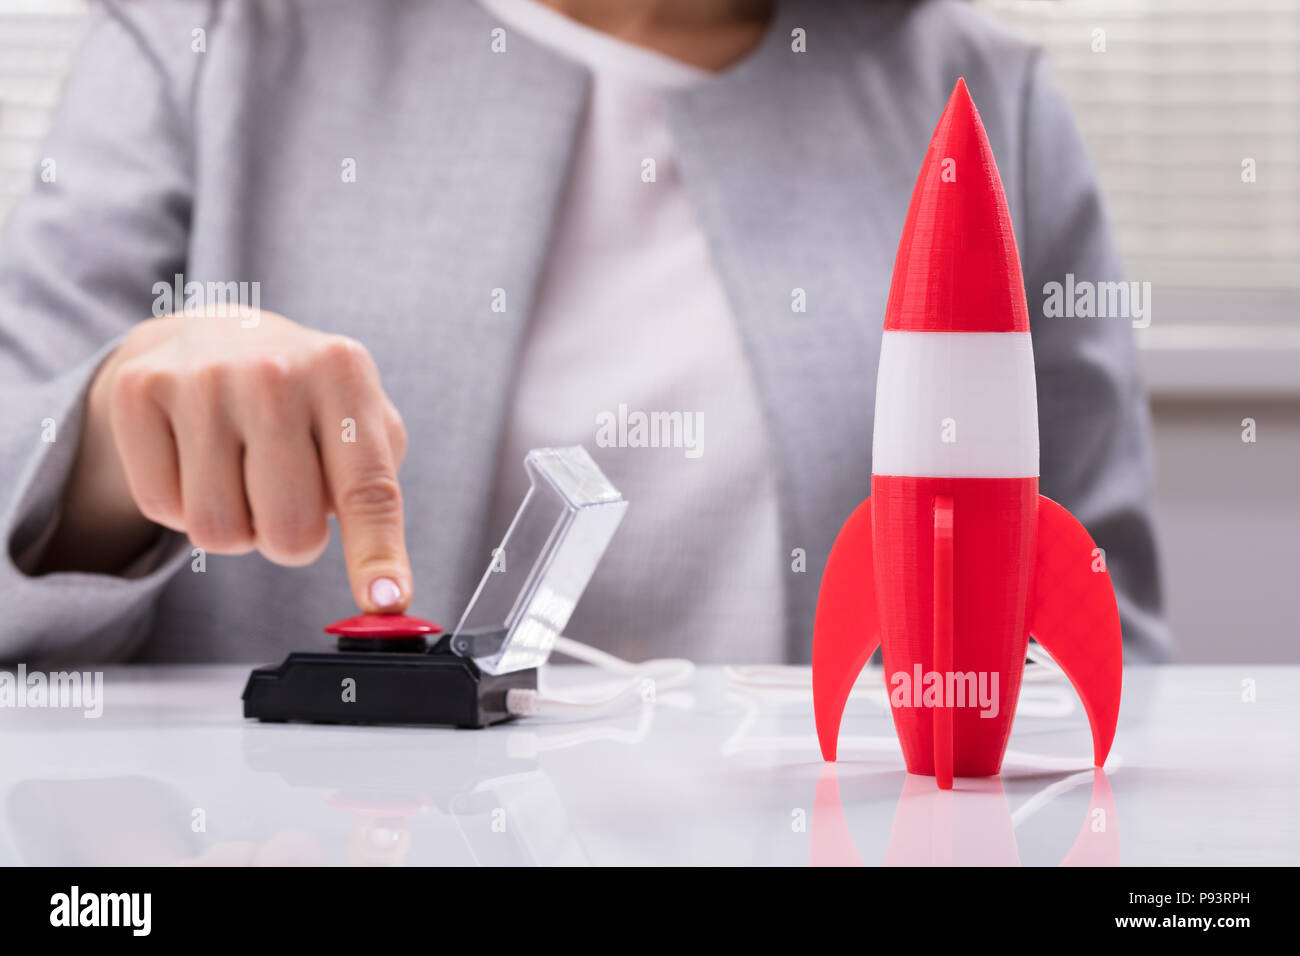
[482, 168]
[792, 189]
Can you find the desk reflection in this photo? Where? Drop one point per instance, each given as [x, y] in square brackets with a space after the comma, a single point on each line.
[970, 825]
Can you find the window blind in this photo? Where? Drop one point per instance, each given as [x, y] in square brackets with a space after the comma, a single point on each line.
[38, 39]
[1181, 103]
[1191, 111]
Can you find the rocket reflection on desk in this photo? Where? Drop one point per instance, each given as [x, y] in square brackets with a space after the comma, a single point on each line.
[955, 559]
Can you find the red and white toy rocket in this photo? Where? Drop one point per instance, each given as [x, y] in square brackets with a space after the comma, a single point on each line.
[955, 559]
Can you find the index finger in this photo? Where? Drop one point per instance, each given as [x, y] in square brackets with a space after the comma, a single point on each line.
[360, 470]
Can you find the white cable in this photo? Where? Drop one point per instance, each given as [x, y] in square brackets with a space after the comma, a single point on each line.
[646, 680]
[1043, 700]
[1038, 655]
[643, 683]
[1041, 669]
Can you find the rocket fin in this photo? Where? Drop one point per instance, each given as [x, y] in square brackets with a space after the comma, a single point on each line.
[1074, 617]
[943, 663]
[846, 630]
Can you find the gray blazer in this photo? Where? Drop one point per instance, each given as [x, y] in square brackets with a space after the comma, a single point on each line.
[225, 165]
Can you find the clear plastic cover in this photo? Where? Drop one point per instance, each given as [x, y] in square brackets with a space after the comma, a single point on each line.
[539, 572]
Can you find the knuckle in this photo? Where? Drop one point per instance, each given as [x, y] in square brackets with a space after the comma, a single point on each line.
[218, 532]
[398, 437]
[376, 494]
[294, 539]
[346, 356]
[136, 382]
[270, 371]
[207, 377]
[269, 382]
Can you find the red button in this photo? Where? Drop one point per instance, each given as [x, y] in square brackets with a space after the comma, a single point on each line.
[381, 626]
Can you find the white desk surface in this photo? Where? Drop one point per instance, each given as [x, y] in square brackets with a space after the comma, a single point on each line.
[712, 774]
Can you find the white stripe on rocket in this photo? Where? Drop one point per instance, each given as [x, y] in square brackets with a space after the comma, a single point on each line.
[956, 404]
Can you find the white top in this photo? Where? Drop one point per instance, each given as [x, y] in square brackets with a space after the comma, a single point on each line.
[632, 351]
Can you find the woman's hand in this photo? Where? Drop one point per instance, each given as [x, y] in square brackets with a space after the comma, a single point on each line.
[244, 432]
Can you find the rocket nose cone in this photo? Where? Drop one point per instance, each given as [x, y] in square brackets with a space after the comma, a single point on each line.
[960, 92]
[957, 268]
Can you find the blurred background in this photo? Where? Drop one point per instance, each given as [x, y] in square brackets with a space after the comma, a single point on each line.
[1191, 109]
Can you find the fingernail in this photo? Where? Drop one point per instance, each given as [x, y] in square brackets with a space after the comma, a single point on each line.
[384, 592]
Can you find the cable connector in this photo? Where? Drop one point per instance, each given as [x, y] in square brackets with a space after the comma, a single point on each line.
[522, 701]
[640, 683]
